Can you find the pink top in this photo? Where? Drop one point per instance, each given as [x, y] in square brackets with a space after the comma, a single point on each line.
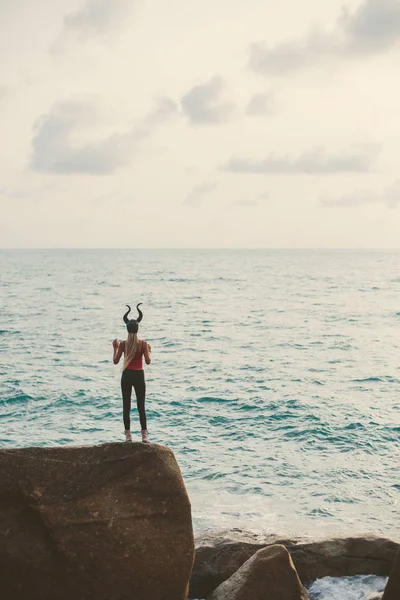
[136, 363]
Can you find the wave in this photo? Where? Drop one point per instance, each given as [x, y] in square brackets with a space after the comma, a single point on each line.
[11, 331]
[213, 399]
[17, 399]
[382, 379]
[358, 587]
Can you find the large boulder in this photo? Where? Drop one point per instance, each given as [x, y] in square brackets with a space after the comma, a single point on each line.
[392, 590]
[110, 522]
[267, 575]
[218, 557]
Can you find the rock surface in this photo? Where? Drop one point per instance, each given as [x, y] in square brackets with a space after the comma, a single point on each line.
[216, 562]
[109, 522]
[392, 590]
[344, 557]
[218, 557]
[267, 575]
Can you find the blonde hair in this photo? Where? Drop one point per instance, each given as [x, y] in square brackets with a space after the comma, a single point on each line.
[131, 347]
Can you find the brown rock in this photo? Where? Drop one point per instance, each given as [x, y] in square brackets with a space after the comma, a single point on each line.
[267, 575]
[109, 522]
[392, 590]
[343, 557]
[216, 562]
[218, 557]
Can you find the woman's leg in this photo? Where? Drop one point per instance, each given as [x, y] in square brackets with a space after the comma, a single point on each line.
[139, 384]
[126, 388]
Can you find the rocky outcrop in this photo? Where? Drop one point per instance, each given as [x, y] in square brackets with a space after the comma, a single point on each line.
[217, 560]
[219, 556]
[392, 590]
[268, 575]
[105, 522]
[343, 557]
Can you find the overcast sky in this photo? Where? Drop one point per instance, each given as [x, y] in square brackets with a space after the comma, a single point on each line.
[200, 123]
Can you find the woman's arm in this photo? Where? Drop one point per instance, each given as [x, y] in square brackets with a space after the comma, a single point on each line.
[118, 350]
[146, 352]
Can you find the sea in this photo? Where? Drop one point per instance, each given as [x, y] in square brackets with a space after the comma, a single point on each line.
[275, 375]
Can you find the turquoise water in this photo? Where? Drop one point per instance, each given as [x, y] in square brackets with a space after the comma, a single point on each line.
[275, 376]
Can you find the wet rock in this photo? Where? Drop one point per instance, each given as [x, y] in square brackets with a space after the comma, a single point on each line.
[268, 575]
[392, 590]
[216, 562]
[219, 555]
[343, 557]
[105, 522]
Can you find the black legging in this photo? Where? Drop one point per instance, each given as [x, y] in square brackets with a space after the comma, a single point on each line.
[132, 378]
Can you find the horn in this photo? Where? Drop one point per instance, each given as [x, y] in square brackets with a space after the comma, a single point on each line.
[125, 317]
[140, 317]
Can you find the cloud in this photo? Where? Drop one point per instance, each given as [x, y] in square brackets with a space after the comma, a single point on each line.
[260, 105]
[204, 104]
[164, 109]
[316, 161]
[373, 28]
[96, 19]
[54, 152]
[197, 196]
[390, 196]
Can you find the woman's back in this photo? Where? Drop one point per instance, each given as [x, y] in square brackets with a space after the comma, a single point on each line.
[136, 363]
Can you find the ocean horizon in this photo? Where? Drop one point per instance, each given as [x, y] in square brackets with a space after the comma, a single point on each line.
[201, 248]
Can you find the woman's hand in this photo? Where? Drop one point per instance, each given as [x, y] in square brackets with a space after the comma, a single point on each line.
[119, 348]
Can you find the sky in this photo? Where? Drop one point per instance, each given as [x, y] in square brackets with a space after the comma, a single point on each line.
[199, 124]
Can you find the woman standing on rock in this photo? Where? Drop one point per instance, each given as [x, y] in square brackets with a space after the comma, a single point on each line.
[133, 373]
